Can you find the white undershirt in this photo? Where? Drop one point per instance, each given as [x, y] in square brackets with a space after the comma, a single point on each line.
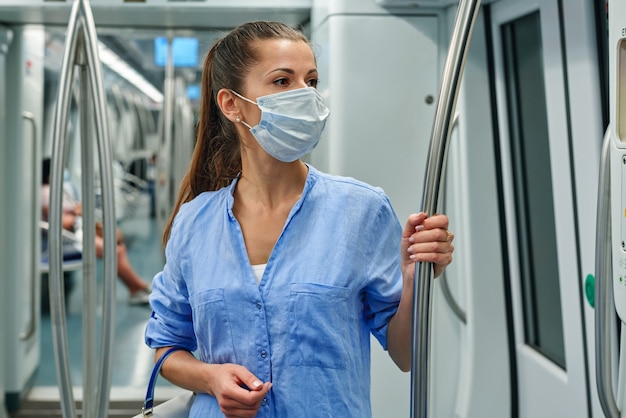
[258, 270]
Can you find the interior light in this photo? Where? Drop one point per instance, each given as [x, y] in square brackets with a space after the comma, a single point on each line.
[115, 63]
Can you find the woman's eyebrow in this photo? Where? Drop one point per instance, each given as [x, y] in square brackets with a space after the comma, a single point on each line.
[290, 71]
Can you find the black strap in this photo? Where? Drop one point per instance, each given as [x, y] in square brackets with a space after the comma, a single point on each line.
[148, 403]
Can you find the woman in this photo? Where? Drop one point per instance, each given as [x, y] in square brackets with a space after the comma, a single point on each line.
[323, 249]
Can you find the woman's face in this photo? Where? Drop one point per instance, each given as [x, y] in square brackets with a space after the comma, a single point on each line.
[283, 65]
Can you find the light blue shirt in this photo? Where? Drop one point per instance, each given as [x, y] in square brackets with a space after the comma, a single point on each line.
[332, 278]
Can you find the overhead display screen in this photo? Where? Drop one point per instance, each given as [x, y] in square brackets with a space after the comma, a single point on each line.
[184, 52]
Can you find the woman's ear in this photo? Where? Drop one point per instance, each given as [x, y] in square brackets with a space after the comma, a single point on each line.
[227, 104]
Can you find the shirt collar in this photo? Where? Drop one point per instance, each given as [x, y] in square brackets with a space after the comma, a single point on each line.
[311, 179]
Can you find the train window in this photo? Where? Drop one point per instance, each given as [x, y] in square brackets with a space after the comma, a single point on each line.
[530, 161]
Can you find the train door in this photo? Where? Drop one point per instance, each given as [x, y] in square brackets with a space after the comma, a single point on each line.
[21, 208]
[539, 203]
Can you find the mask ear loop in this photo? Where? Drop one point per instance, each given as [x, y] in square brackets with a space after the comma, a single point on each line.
[238, 119]
[242, 97]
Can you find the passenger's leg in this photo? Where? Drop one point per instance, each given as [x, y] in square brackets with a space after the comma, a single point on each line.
[125, 271]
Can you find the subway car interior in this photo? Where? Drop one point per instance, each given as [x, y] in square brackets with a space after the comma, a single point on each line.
[522, 324]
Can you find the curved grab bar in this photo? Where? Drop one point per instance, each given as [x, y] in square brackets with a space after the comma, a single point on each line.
[34, 251]
[57, 299]
[108, 205]
[603, 282]
[81, 48]
[89, 259]
[422, 297]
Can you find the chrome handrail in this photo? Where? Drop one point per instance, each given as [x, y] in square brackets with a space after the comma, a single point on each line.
[35, 250]
[89, 259]
[603, 287]
[437, 154]
[81, 48]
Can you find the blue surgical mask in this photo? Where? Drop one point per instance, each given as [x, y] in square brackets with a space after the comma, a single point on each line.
[291, 122]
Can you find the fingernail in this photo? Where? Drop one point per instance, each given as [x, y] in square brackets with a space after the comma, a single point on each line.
[419, 227]
[256, 384]
[411, 239]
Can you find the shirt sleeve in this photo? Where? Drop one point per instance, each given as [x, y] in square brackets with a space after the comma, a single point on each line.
[170, 323]
[384, 287]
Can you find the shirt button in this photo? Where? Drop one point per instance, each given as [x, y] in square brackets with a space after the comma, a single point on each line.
[265, 401]
[263, 353]
[259, 306]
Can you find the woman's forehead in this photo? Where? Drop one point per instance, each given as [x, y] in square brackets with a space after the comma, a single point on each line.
[284, 53]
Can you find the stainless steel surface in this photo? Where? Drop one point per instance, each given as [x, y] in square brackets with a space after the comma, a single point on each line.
[81, 48]
[57, 298]
[34, 251]
[89, 259]
[108, 212]
[604, 286]
[422, 298]
[165, 159]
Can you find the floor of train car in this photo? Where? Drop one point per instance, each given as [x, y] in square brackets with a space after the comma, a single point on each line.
[132, 359]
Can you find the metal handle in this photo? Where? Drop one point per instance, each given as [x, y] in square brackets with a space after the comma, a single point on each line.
[34, 251]
[603, 286]
[81, 48]
[57, 305]
[422, 298]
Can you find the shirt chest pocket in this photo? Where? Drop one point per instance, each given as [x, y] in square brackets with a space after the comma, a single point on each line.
[212, 327]
[319, 327]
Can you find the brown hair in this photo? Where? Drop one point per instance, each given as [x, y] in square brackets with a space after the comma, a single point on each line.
[216, 159]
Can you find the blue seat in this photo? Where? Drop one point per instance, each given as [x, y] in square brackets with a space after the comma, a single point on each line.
[72, 251]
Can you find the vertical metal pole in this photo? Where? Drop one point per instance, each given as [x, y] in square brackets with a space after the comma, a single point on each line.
[89, 251]
[57, 297]
[437, 154]
[603, 287]
[82, 38]
[105, 367]
[165, 161]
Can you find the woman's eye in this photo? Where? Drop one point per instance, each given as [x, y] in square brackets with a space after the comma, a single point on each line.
[281, 82]
[312, 82]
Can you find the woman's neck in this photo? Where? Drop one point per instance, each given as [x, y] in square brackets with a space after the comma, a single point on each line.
[271, 185]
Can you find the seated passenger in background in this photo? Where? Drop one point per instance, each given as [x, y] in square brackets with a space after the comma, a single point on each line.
[72, 210]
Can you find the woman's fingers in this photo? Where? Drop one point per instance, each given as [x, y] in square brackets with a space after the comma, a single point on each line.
[427, 239]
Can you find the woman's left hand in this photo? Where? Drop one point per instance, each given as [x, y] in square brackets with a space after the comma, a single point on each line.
[427, 240]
